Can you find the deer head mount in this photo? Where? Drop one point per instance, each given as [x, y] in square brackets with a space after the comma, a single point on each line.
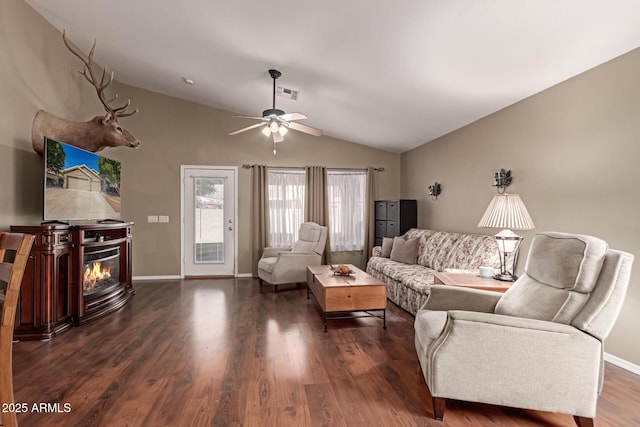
[95, 134]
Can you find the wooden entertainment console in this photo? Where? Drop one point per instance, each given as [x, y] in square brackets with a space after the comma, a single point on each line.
[59, 290]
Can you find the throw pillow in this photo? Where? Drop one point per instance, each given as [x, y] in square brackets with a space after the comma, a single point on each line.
[387, 244]
[405, 251]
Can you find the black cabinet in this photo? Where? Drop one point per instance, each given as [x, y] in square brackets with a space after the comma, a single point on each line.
[394, 217]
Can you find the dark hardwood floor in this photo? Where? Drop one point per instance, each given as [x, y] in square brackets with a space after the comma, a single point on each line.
[229, 353]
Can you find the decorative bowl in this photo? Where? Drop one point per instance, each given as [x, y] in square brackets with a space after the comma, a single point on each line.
[341, 270]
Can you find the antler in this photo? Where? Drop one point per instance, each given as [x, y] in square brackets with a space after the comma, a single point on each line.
[88, 73]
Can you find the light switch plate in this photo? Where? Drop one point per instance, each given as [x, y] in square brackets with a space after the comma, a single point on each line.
[152, 218]
[163, 218]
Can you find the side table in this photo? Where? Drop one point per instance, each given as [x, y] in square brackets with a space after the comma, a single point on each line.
[470, 280]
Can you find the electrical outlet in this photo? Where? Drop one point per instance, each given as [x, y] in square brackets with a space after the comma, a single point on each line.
[152, 218]
[163, 218]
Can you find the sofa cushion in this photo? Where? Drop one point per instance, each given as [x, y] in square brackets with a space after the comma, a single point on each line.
[486, 254]
[438, 248]
[470, 251]
[534, 300]
[309, 232]
[551, 290]
[377, 263]
[423, 255]
[423, 236]
[413, 275]
[576, 261]
[387, 245]
[421, 281]
[419, 233]
[405, 251]
[308, 237]
[404, 272]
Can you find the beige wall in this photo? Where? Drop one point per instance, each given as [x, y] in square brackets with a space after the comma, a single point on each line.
[38, 72]
[573, 151]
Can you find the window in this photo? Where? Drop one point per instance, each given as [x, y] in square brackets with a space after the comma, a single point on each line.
[286, 205]
[346, 194]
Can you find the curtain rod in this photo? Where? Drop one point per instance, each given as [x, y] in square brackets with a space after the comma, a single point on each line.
[249, 166]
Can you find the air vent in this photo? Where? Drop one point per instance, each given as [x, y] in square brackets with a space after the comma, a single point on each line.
[287, 93]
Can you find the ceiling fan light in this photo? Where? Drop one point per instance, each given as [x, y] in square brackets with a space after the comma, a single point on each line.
[275, 123]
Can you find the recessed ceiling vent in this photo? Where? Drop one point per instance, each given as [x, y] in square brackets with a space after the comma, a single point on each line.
[287, 93]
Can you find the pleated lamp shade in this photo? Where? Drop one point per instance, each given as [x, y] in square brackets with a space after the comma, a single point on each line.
[507, 211]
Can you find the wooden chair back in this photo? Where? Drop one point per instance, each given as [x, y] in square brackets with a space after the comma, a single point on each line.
[14, 253]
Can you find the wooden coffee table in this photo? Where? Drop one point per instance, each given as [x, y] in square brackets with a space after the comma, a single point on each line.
[340, 297]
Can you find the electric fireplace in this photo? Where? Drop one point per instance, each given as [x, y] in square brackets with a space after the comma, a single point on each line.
[100, 271]
[104, 282]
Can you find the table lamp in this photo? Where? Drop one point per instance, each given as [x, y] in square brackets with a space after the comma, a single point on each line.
[507, 211]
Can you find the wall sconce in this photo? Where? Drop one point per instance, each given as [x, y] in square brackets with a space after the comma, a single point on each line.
[434, 190]
[502, 179]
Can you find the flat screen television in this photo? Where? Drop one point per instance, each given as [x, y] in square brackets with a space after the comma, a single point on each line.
[79, 185]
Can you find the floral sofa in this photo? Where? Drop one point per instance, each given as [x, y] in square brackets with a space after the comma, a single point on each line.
[408, 285]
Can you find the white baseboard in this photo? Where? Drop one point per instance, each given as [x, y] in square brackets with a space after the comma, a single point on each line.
[614, 360]
[177, 277]
[156, 277]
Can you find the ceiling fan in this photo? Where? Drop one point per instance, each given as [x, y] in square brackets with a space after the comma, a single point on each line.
[276, 123]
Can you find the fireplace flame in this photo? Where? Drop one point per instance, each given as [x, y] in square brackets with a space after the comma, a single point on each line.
[93, 274]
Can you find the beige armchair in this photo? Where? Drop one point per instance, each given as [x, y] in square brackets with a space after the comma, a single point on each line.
[278, 266]
[538, 346]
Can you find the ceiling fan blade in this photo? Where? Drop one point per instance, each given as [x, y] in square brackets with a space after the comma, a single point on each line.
[292, 116]
[305, 129]
[250, 117]
[247, 128]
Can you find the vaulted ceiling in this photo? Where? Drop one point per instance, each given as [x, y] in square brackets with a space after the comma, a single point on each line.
[388, 74]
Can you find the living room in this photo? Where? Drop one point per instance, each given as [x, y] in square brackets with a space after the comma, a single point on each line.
[571, 148]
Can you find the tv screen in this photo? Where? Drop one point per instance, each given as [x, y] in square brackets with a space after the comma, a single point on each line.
[79, 185]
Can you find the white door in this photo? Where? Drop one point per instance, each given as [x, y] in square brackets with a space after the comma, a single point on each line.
[209, 216]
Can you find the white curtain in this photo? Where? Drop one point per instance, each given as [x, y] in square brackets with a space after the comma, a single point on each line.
[347, 201]
[286, 205]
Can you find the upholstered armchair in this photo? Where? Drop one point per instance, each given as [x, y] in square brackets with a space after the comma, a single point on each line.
[278, 266]
[540, 345]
